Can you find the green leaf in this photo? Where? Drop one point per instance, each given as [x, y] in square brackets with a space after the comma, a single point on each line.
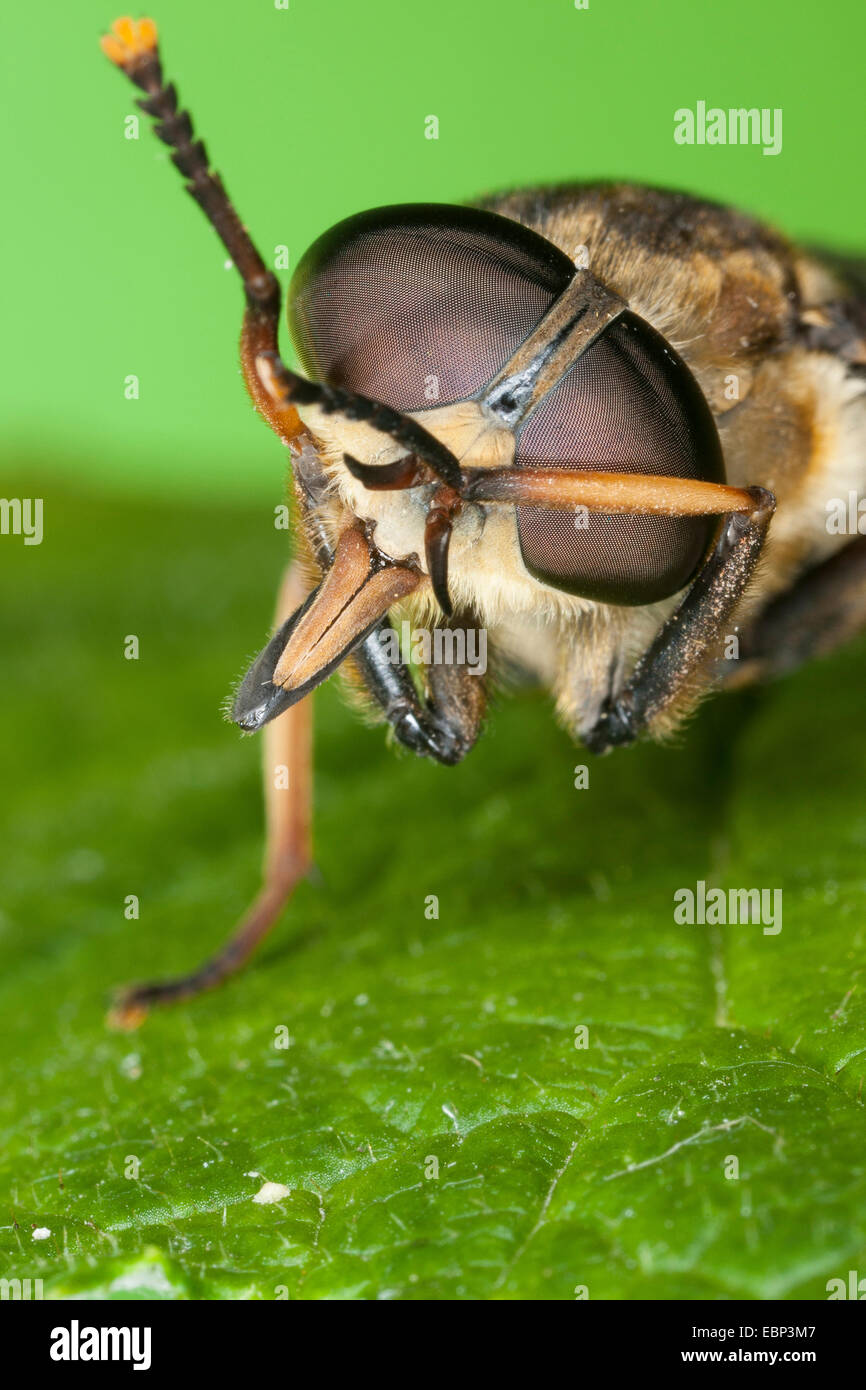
[438, 1132]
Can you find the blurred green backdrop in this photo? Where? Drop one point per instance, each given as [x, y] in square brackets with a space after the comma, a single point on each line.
[316, 111]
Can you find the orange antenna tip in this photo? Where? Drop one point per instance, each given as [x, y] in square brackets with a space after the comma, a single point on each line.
[129, 39]
[125, 29]
[113, 49]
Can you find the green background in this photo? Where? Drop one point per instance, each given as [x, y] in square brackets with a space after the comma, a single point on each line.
[412, 1039]
[316, 112]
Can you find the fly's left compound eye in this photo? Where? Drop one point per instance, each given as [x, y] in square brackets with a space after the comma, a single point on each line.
[419, 305]
[628, 405]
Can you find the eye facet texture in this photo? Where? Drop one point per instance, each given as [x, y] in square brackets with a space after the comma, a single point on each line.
[628, 405]
[420, 305]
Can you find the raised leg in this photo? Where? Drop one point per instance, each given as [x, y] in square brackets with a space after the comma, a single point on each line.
[674, 663]
[288, 778]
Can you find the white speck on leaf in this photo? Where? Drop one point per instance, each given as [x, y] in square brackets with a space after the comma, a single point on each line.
[131, 1066]
[271, 1192]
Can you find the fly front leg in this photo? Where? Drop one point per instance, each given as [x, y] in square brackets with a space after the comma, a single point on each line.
[446, 723]
[671, 670]
[288, 783]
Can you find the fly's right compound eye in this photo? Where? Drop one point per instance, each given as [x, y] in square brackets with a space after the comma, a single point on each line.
[629, 404]
[419, 305]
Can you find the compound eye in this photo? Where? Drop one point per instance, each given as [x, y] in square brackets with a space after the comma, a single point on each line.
[419, 305]
[628, 405]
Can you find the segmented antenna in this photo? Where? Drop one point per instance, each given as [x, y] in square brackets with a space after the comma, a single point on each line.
[132, 46]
